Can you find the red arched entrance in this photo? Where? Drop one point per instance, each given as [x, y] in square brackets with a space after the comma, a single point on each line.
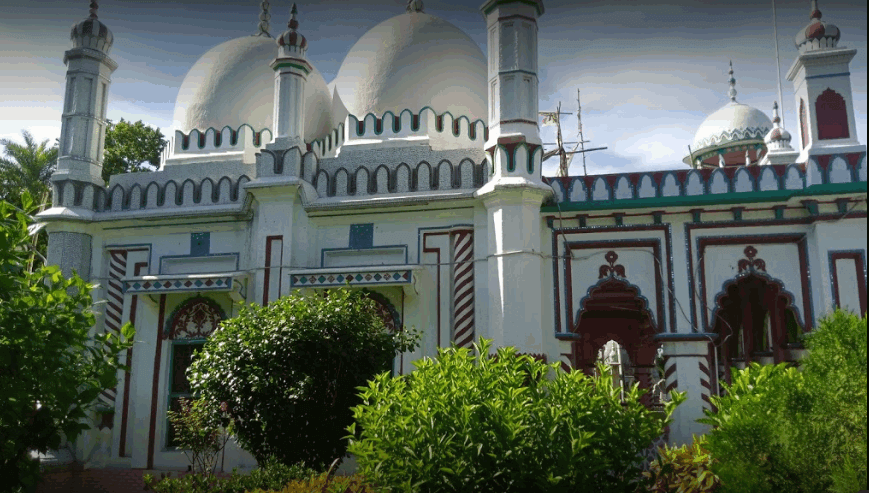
[614, 310]
[756, 321]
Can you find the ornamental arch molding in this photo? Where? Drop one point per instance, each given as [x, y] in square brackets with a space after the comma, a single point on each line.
[194, 318]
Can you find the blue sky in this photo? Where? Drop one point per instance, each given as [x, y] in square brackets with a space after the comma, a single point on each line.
[649, 73]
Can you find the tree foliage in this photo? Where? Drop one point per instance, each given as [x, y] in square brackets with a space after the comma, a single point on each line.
[502, 422]
[26, 168]
[51, 368]
[289, 371]
[779, 428]
[131, 147]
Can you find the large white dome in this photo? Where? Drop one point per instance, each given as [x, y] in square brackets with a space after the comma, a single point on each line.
[232, 84]
[411, 61]
[734, 122]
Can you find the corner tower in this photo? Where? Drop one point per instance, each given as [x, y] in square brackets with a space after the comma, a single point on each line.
[83, 127]
[78, 179]
[822, 87]
[514, 194]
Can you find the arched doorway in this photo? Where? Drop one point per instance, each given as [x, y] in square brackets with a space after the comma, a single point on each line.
[615, 311]
[755, 320]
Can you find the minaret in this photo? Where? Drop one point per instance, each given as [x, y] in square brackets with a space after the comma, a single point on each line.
[291, 72]
[78, 178]
[83, 128]
[514, 194]
[778, 142]
[822, 87]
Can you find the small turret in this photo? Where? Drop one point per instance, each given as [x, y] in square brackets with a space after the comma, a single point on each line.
[291, 70]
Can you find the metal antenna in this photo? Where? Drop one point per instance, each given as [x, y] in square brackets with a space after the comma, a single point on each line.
[777, 61]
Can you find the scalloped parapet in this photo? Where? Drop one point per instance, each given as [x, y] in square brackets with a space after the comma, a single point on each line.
[211, 145]
[820, 174]
[376, 172]
[151, 195]
[441, 132]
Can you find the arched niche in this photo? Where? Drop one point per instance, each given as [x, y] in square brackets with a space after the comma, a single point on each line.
[831, 113]
[755, 320]
[615, 310]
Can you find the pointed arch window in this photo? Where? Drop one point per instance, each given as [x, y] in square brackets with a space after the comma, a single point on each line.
[831, 113]
[188, 328]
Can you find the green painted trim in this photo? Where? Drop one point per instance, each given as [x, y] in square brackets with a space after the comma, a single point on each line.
[709, 199]
[281, 65]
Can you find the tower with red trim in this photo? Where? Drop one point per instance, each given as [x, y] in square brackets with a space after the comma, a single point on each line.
[514, 194]
[822, 87]
[291, 71]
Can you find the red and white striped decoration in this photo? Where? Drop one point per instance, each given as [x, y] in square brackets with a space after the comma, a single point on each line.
[463, 288]
[114, 307]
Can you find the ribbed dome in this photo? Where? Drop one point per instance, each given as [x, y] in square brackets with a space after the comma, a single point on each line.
[410, 61]
[232, 84]
[818, 34]
[91, 33]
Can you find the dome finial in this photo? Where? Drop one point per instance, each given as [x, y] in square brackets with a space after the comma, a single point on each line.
[776, 120]
[732, 81]
[94, 8]
[264, 17]
[293, 24]
[816, 14]
[415, 6]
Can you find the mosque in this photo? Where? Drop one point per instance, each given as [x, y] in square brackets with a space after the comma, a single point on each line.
[416, 175]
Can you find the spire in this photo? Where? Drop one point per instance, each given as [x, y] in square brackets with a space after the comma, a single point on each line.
[732, 81]
[94, 8]
[292, 39]
[415, 6]
[264, 16]
[294, 23]
[816, 14]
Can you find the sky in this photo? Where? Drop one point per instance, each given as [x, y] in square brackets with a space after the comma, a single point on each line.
[649, 72]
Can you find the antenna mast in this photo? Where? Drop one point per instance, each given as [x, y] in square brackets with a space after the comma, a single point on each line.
[777, 63]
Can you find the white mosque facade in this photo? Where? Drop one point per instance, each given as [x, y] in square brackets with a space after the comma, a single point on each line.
[416, 175]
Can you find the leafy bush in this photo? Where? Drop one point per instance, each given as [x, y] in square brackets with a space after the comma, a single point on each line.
[51, 368]
[324, 483]
[782, 429]
[272, 475]
[685, 469]
[200, 432]
[288, 372]
[500, 423]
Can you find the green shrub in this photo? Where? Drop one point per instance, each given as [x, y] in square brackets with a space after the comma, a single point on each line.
[52, 368]
[782, 429]
[324, 483]
[200, 433]
[500, 423]
[685, 469]
[272, 475]
[288, 372]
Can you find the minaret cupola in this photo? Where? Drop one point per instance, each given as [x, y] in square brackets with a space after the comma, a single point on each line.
[818, 35]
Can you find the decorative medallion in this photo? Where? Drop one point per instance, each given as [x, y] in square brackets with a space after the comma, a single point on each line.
[612, 269]
[750, 263]
[196, 318]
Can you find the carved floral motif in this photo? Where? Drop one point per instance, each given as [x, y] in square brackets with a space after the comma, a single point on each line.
[196, 318]
[612, 269]
[750, 263]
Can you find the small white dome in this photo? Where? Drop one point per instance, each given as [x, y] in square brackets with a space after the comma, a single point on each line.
[733, 123]
[232, 84]
[411, 61]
